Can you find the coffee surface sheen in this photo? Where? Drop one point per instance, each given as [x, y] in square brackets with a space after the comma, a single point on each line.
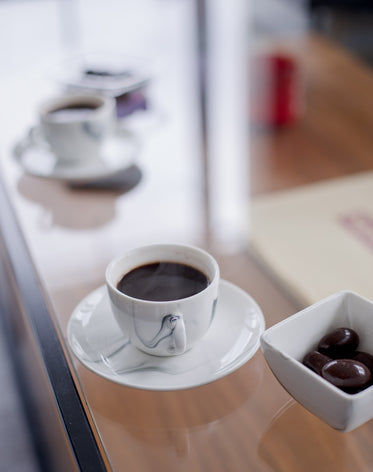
[163, 281]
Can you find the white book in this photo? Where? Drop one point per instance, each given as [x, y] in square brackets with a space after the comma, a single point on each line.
[318, 238]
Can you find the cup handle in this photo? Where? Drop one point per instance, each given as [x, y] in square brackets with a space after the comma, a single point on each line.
[179, 335]
[34, 134]
[173, 329]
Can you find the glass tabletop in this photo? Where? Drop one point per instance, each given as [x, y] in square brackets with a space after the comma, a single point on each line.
[198, 165]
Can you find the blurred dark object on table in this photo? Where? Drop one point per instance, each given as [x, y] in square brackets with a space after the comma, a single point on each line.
[125, 85]
[130, 102]
[114, 75]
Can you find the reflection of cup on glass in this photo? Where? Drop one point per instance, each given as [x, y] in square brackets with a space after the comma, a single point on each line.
[183, 423]
[294, 435]
[76, 126]
[163, 296]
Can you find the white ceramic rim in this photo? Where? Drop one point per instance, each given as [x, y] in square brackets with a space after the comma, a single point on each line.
[112, 280]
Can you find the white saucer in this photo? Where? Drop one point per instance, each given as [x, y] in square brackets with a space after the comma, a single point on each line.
[232, 340]
[36, 158]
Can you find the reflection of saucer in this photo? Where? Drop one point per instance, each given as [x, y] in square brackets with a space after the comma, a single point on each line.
[231, 341]
[36, 158]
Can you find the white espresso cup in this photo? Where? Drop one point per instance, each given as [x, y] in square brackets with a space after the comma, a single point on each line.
[162, 326]
[76, 126]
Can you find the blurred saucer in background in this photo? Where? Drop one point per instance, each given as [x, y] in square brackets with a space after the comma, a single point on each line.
[118, 153]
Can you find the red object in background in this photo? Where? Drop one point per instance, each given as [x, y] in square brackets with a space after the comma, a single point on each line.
[275, 90]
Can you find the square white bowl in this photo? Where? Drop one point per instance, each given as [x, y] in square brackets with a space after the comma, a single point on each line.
[285, 344]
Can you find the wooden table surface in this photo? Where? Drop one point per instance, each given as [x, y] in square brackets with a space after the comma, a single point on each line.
[245, 421]
[333, 137]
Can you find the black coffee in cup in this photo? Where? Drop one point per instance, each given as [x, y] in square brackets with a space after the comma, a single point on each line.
[163, 281]
[76, 111]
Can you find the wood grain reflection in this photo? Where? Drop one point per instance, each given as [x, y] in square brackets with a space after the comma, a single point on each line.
[298, 441]
[189, 425]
